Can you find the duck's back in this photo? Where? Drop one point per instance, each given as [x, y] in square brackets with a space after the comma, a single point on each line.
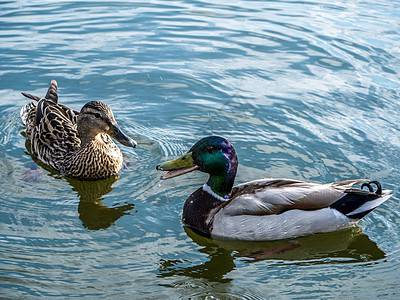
[50, 127]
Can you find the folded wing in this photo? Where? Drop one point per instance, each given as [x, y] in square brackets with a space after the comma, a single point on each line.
[274, 196]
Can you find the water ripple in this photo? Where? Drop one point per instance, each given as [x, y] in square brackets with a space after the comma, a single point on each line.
[302, 89]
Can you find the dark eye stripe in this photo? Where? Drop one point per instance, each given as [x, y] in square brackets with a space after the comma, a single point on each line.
[98, 115]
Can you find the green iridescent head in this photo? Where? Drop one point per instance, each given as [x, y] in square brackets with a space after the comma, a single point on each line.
[213, 155]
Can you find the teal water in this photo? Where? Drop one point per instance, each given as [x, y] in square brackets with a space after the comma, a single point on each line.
[303, 89]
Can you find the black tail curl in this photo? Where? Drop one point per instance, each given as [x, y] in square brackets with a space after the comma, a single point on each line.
[355, 198]
[370, 188]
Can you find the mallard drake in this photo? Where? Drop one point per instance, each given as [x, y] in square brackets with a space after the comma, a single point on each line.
[265, 209]
[78, 144]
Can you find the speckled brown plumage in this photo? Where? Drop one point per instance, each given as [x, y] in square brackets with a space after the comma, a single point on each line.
[76, 144]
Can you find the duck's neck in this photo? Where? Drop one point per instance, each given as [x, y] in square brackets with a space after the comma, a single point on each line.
[101, 140]
[222, 184]
[87, 140]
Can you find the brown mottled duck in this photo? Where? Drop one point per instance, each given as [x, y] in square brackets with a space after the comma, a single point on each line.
[77, 144]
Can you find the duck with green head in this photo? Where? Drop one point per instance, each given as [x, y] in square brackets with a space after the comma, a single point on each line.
[265, 209]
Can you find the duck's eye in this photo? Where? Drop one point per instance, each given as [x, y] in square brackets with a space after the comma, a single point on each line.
[210, 149]
[97, 115]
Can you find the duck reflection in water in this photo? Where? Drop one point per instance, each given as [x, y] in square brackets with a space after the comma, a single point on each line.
[346, 246]
[93, 213]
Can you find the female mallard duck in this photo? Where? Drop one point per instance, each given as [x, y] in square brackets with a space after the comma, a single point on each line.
[77, 144]
[266, 209]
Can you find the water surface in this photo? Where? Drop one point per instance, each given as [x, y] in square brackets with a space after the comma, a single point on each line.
[303, 89]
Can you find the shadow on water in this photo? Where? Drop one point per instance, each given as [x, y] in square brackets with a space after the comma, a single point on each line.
[93, 212]
[346, 246]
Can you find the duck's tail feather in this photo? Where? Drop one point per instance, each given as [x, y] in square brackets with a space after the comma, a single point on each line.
[357, 203]
[30, 96]
[52, 92]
